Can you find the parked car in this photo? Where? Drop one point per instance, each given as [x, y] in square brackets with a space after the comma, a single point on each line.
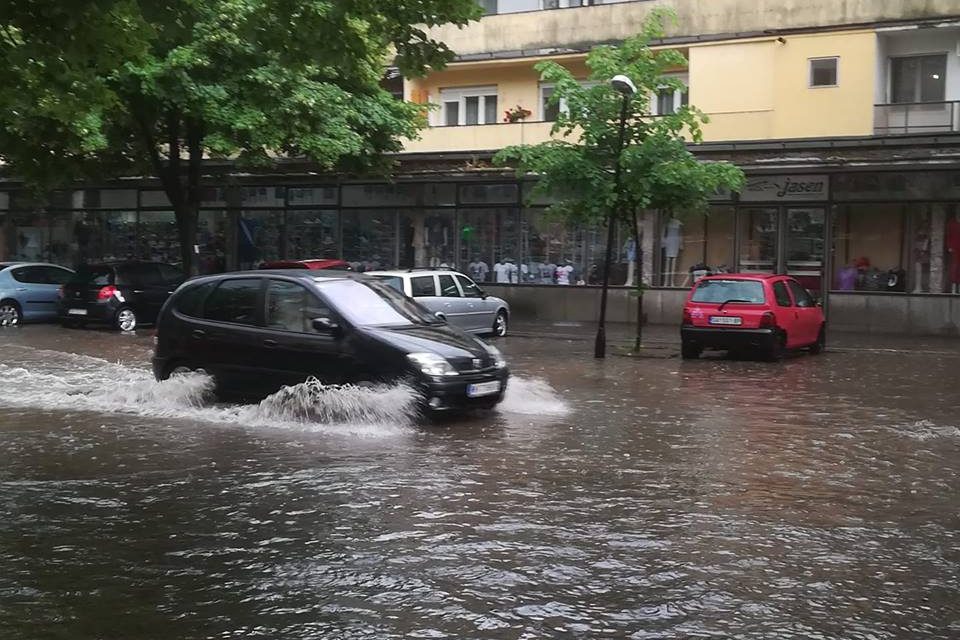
[319, 263]
[120, 294]
[256, 331]
[29, 291]
[764, 314]
[453, 295]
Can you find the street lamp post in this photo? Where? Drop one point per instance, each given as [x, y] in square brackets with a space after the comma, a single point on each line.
[625, 86]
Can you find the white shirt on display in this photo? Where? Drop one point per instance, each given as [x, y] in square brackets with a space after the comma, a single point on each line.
[563, 274]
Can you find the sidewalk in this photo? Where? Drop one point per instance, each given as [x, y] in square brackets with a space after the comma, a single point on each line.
[658, 339]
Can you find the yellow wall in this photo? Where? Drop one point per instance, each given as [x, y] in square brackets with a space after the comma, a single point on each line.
[844, 110]
[750, 90]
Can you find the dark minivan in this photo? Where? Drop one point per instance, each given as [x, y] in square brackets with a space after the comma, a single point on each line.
[120, 294]
[257, 331]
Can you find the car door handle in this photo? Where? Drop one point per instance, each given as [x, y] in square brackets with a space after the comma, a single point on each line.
[21, 288]
[198, 333]
[270, 343]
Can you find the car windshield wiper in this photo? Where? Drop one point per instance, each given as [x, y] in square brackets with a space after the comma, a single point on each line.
[725, 302]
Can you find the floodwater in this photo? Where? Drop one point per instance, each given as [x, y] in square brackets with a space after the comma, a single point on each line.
[632, 498]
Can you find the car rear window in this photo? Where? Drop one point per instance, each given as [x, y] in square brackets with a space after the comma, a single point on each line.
[395, 282]
[93, 275]
[720, 291]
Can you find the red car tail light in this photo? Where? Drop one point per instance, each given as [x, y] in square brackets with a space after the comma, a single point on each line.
[768, 321]
[106, 292]
[687, 318]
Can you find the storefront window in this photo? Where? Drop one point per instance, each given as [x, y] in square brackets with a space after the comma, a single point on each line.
[489, 239]
[554, 252]
[869, 247]
[312, 234]
[489, 193]
[696, 244]
[259, 237]
[375, 195]
[261, 197]
[370, 239]
[105, 235]
[159, 237]
[428, 238]
[211, 242]
[297, 196]
[758, 239]
[804, 246]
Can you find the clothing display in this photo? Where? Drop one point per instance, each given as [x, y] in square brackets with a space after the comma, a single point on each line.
[563, 274]
[953, 246]
[478, 270]
[672, 238]
[505, 272]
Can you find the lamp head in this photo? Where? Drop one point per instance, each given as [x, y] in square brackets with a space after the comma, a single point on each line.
[623, 84]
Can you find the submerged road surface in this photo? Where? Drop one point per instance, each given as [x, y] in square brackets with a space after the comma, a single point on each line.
[632, 498]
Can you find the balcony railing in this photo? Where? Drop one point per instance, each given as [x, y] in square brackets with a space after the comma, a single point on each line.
[916, 117]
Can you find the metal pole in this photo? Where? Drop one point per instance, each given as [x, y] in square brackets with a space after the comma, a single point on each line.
[600, 347]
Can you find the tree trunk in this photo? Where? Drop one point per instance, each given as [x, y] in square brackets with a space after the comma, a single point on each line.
[186, 215]
[638, 270]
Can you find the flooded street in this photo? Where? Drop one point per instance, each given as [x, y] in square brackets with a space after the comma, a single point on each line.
[632, 498]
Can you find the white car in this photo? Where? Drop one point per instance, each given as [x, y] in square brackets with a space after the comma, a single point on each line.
[452, 295]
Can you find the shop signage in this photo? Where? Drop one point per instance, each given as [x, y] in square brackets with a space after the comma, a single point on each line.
[786, 188]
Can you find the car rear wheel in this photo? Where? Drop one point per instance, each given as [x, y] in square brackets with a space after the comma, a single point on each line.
[690, 351]
[126, 319]
[821, 343]
[500, 324]
[777, 348]
[10, 314]
[182, 368]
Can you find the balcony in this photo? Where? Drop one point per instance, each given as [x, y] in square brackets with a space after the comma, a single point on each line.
[916, 117]
[483, 137]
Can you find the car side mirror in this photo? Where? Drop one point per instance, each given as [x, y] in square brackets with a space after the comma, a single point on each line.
[441, 316]
[326, 325]
[484, 295]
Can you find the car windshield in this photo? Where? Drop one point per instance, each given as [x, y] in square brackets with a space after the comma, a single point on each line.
[720, 291]
[395, 282]
[374, 304]
[92, 274]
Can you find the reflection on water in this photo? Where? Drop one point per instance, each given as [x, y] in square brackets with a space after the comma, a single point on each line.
[631, 498]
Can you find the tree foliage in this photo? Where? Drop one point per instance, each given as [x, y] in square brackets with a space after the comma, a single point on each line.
[575, 169]
[105, 87]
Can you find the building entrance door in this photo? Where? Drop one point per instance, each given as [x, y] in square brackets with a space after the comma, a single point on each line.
[781, 239]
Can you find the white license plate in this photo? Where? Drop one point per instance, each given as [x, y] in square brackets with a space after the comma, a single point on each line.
[77, 312]
[732, 320]
[483, 389]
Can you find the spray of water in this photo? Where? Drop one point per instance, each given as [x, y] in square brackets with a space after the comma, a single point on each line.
[532, 396]
[68, 382]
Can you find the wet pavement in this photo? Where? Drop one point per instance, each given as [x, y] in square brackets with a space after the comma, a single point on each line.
[630, 498]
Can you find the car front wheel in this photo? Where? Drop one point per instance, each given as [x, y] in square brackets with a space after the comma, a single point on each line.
[821, 343]
[10, 314]
[500, 324]
[690, 351]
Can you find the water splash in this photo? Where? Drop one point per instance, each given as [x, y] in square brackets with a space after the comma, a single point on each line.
[533, 396]
[69, 382]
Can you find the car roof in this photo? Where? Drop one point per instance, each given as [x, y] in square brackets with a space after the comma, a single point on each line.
[411, 272]
[4, 265]
[744, 276]
[311, 275]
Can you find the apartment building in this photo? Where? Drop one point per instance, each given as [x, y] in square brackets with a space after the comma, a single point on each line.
[844, 115]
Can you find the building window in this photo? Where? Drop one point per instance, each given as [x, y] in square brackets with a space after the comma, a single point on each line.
[467, 106]
[489, 6]
[918, 79]
[669, 100]
[823, 72]
[549, 110]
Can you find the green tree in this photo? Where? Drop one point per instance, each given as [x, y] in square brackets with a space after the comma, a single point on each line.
[101, 88]
[577, 169]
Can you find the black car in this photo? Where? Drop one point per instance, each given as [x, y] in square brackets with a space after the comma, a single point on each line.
[120, 294]
[257, 331]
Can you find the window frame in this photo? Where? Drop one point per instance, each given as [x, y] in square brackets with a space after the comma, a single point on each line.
[453, 281]
[918, 81]
[789, 295]
[311, 300]
[836, 72]
[432, 278]
[259, 308]
[562, 106]
[459, 278]
[460, 95]
[677, 98]
[796, 290]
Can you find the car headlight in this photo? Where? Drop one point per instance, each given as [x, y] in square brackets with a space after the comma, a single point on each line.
[432, 364]
[498, 360]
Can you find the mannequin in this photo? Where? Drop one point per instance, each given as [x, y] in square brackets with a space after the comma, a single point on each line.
[953, 247]
[630, 253]
[921, 256]
[563, 272]
[672, 239]
[478, 270]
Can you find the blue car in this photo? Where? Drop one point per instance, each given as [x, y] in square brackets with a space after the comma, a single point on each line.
[30, 291]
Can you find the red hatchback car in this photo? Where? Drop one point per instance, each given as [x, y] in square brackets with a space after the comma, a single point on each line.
[765, 314]
[317, 263]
